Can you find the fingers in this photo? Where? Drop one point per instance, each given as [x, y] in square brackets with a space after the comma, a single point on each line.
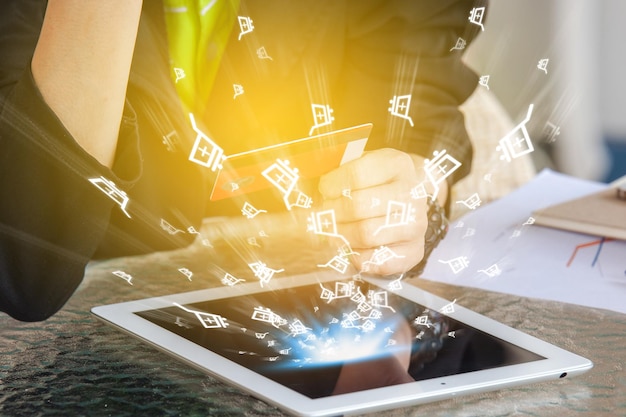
[372, 169]
[369, 203]
[383, 247]
[397, 258]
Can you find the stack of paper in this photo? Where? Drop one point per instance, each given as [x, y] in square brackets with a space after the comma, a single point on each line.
[499, 247]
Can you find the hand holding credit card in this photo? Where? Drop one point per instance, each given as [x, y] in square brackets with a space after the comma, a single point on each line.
[312, 157]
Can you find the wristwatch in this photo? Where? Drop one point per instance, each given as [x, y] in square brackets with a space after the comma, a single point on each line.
[437, 228]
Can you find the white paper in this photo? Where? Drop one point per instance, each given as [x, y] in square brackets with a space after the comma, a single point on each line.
[500, 249]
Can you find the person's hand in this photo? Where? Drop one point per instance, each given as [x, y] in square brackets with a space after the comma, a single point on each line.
[360, 193]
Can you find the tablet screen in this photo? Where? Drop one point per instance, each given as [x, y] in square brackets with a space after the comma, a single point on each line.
[337, 337]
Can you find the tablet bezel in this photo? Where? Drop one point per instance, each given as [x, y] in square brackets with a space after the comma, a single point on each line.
[558, 362]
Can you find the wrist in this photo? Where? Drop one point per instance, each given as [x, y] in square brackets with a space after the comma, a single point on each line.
[435, 232]
[441, 189]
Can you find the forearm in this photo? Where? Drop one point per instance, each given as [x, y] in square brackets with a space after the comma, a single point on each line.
[81, 66]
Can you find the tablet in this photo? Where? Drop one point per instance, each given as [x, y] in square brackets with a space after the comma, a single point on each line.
[309, 157]
[323, 345]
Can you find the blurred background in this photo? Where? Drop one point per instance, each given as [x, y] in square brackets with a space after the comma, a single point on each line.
[578, 124]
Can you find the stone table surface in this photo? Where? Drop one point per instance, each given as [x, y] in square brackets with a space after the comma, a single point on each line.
[72, 364]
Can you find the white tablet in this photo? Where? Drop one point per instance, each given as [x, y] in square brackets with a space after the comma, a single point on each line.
[322, 345]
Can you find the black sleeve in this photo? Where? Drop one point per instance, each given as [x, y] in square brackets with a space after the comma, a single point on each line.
[405, 47]
[52, 217]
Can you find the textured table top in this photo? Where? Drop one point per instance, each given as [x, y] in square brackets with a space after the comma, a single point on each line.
[74, 365]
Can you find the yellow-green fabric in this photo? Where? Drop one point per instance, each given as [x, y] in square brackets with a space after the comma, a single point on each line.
[197, 31]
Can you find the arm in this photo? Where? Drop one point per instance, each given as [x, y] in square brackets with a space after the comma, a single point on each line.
[401, 48]
[52, 218]
[81, 66]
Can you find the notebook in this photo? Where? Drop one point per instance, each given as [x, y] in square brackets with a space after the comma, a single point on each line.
[599, 214]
